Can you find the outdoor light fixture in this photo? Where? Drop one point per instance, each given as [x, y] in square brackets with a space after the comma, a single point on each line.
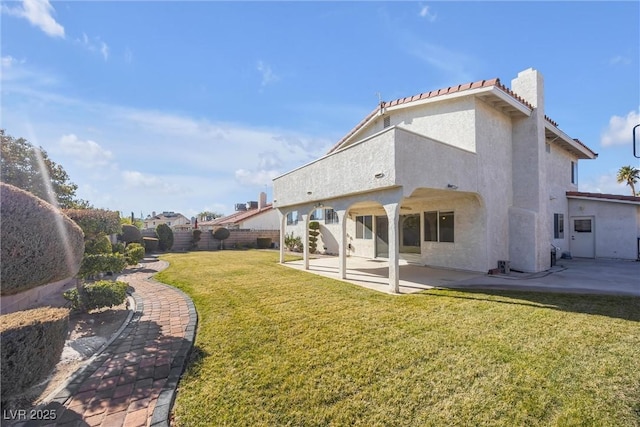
[379, 175]
[452, 186]
[309, 193]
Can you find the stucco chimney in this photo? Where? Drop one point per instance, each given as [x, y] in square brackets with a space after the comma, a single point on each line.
[530, 85]
[262, 200]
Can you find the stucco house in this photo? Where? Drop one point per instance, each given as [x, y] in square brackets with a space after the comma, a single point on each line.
[258, 215]
[467, 177]
[172, 219]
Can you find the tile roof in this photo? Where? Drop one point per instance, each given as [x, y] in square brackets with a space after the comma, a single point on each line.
[495, 82]
[604, 196]
[236, 217]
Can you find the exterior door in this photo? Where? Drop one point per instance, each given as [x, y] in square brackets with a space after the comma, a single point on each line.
[382, 237]
[583, 240]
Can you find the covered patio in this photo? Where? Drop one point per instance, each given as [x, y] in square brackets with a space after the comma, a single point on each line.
[374, 273]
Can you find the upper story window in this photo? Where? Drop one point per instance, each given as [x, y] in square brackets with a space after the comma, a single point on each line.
[364, 227]
[316, 215]
[292, 218]
[330, 216]
[574, 172]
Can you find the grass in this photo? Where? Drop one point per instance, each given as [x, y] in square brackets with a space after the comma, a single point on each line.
[280, 347]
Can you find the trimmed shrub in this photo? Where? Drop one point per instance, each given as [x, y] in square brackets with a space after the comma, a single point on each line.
[101, 294]
[165, 237]
[314, 227]
[118, 248]
[33, 252]
[263, 242]
[32, 342]
[130, 234]
[98, 245]
[293, 243]
[221, 234]
[95, 222]
[150, 244]
[92, 265]
[134, 253]
[195, 238]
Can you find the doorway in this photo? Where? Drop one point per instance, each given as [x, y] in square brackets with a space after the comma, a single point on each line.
[583, 241]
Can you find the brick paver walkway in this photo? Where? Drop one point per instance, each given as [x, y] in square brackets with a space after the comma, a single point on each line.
[133, 381]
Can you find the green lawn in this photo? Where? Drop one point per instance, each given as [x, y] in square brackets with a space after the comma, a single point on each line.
[277, 347]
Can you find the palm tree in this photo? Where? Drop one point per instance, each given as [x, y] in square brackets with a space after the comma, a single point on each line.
[630, 176]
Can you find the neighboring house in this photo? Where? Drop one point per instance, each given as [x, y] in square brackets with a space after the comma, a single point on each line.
[463, 177]
[174, 220]
[250, 216]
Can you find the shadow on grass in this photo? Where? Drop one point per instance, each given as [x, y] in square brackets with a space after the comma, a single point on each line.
[194, 363]
[621, 307]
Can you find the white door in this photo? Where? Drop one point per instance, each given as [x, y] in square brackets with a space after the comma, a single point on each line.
[583, 241]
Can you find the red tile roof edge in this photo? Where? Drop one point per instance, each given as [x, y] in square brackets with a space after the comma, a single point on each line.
[238, 216]
[604, 196]
[432, 94]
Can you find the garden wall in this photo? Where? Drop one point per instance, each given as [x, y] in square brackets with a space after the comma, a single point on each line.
[34, 297]
[182, 239]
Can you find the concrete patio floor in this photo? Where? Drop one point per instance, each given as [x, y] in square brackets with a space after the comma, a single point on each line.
[587, 276]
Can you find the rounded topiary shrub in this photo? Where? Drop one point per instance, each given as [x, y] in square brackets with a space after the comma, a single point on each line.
[32, 342]
[99, 245]
[130, 234]
[165, 237]
[150, 244]
[134, 253]
[93, 265]
[101, 294]
[40, 244]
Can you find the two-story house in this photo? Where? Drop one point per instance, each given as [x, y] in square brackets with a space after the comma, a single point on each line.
[462, 178]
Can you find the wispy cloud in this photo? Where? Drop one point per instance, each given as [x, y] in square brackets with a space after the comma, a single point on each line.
[605, 183]
[456, 65]
[39, 14]
[619, 131]
[94, 45]
[619, 60]
[268, 76]
[426, 13]
[145, 181]
[88, 154]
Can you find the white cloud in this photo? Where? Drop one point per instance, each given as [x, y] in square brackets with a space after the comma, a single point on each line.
[256, 177]
[38, 13]
[619, 59]
[268, 76]
[148, 182]
[88, 154]
[425, 12]
[606, 183]
[619, 131]
[94, 45]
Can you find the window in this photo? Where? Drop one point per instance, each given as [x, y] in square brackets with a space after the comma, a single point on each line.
[364, 226]
[558, 226]
[317, 215]
[292, 218]
[582, 225]
[439, 226]
[330, 216]
[574, 172]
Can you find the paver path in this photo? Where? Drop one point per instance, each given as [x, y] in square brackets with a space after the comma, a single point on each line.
[133, 381]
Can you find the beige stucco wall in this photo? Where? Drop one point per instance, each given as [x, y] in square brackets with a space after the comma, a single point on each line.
[267, 220]
[617, 226]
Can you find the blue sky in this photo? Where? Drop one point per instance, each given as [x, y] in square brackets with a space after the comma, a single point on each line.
[193, 106]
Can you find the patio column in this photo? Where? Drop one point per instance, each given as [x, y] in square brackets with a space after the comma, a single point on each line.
[282, 218]
[342, 243]
[393, 213]
[305, 240]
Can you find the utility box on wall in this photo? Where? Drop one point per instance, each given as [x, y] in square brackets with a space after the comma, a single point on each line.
[504, 267]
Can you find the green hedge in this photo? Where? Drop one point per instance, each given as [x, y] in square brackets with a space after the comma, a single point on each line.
[95, 221]
[130, 234]
[33, 252]
[134, 253]
[98, 245]
[101, 263]
[32, 342]
[165, 237]
[101, 294]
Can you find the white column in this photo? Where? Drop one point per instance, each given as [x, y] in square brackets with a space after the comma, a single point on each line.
[342, 243]
[305, 240]
[283, 230]
[393, 213]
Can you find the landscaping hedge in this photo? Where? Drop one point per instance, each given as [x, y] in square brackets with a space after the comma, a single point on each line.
[95, 221]
[104, 293]
[33, 251]
[130, 234]
[32, 342]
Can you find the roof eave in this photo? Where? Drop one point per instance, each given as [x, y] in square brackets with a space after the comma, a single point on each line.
[554, 135]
